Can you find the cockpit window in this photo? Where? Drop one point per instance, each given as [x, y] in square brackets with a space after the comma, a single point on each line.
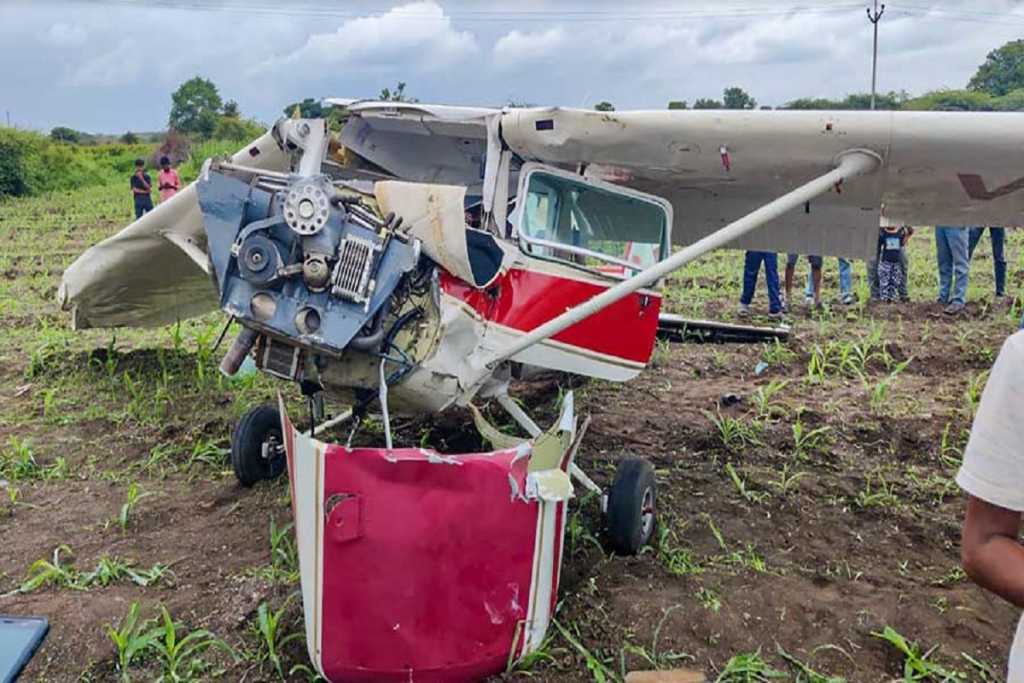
[591, 226]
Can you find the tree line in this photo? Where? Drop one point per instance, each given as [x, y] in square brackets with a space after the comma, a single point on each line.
[997, 85]
[199, 112]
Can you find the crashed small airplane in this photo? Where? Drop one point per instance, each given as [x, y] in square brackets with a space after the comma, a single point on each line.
[425, 256]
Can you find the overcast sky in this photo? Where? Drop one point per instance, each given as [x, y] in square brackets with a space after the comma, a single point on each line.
[110, 65]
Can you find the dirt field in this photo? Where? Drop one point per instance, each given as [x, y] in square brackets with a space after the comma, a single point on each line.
[796, 527]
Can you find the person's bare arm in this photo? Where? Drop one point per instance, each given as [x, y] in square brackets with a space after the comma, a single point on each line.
[990, 552]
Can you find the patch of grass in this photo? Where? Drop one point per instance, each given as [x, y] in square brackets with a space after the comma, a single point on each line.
[597, 668]
[132, 640]
[804, 672]
[776, 353]
[284, 556]
[653, 656]
[675, 558]
[972, 394]
[917, 664]
[271, 625]
[61, 573]
[786, 481]
[735, 434]
[748, 667]
[710, 599]
[742, 488]
[577, 529]
[764, 400]
[181, 655]
[807, 440]
[50, 572]
[879, 390]
[132, 499]
[881, 494]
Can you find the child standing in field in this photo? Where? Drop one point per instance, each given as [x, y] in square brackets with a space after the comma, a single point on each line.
[168, 181]
[891, 273]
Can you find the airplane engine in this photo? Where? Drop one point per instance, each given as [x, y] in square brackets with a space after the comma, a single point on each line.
[314, 273]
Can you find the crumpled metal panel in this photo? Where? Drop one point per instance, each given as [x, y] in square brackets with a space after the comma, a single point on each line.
[436, 215]
[418, 566]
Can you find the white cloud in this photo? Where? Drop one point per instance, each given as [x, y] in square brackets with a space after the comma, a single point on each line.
[416, 36]
[515, 48]
[118, 67]
[63, 34]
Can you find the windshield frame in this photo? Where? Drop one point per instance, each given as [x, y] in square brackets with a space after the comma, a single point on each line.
[530, 169]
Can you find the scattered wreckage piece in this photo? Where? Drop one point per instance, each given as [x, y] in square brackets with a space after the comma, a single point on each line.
[675, 328]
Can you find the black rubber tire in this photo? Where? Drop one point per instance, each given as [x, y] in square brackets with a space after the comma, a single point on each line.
[255, 427]
[631, 498]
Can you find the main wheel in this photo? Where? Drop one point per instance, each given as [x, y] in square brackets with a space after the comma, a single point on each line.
[631, 506]
[256, 452]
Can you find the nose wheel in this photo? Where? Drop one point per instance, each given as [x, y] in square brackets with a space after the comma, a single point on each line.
[631, 506]
[257, 449]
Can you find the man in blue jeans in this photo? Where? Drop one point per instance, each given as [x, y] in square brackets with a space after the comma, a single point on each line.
[998, 236]
[751, 267]
[954, 266]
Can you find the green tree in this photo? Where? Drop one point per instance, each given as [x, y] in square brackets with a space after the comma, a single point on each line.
[890, 100]
[677, 104]
[231, 110]
[396, 95]
[1002, 71]
[233, 128]
[737, 98]
[129, 138]
[195, 107]
[953, 100]
[707, 103]
[1011, 101]
[604, 105]
[65, 134]
[308, 109]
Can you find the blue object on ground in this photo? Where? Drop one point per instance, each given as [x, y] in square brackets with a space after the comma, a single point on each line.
[20, 637]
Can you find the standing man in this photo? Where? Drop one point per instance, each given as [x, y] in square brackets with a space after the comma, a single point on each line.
[998, 237]
[167, 180]
[954, 263]
[815, 262]
[142, 187]
[751, 267]
[992, 474]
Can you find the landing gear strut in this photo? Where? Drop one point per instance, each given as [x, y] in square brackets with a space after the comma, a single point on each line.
[629, 505]
[257, 449]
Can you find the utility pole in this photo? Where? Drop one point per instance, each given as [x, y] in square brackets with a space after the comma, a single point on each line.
[873, 17]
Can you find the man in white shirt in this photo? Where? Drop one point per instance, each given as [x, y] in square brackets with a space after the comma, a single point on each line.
[993, 475]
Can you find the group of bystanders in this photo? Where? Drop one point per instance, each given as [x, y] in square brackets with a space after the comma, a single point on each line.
[887, 272]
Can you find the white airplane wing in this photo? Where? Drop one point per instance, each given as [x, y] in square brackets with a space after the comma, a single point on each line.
[945, 168]
[141, 276]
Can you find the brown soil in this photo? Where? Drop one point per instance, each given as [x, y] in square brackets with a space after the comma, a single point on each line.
[835, 570]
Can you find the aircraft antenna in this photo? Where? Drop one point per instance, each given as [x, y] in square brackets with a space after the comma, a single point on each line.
[874, 15]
